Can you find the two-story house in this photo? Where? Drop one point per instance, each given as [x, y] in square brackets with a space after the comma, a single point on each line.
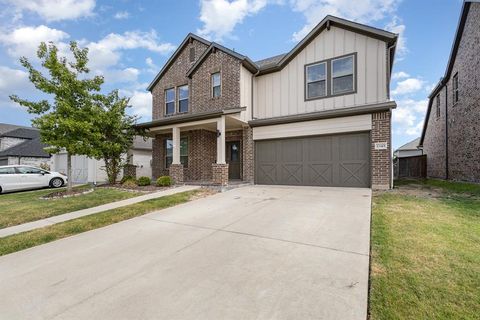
[451, 134]
[319, 115]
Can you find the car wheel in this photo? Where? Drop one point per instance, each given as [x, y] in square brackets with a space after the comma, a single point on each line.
[56, 183]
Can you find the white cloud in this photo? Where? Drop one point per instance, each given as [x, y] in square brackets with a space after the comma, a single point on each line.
[400, 75]
[13, 81]
[152, 67]
[122, 15]
[24, 41]
[141, 103]
[126, 75]
[408, 116]
[219, 17]
[55, 10]
[396, 26]
[363, 11]
[107, 51]
[408, 86]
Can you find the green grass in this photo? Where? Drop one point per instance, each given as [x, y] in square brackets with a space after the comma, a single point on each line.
[21, 207]
[447, 186]
[37, 237]
[426, 253]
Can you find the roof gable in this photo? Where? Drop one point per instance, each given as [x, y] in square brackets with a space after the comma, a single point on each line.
[325, 24]
[188, 38]
[249, 64]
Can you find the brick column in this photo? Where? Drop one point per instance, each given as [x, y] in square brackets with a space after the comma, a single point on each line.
[381, 169]
[248, 155]
[220, 173]
[176, 173]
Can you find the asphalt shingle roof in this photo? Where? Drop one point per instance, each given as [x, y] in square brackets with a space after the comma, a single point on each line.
[268, 62]
[31, 147]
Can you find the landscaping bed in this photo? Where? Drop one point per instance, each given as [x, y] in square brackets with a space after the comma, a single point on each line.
[425, 251]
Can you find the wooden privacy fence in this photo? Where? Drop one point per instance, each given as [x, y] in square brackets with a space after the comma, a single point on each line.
[410, 167]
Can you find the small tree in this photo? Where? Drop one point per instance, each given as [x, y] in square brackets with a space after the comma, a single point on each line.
[116, 133]
[66, 122]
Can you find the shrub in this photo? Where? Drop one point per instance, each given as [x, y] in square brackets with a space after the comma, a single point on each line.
[127, 178]
[164, 181]
[129, 183]
[144, 181]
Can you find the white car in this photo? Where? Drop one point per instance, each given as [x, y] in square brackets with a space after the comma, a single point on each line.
[13, 178]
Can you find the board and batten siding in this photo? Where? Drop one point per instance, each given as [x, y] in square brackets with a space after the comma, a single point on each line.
[282, 93]
[246, 93]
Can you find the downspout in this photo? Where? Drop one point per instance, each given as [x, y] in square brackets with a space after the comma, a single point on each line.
[446, 131]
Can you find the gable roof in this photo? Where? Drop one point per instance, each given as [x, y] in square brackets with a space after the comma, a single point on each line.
[6, 127]
[451, 61]
[389, 37]
[22, 133]
[29, 148]
[175, 55]
[269, 62]
[249, 64]
[412, 145]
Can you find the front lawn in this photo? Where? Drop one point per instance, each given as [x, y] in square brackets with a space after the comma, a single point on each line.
[426, 251]
[57, 231]
[21, 207]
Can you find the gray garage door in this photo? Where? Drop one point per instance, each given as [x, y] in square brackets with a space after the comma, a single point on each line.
[336, 161]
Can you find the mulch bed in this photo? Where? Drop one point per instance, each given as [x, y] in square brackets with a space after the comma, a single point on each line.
[147, 189]
[66, 194]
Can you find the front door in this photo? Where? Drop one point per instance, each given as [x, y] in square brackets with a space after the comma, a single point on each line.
[233, 159]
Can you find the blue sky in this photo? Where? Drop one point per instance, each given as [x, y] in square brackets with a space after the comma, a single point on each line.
[129, 41]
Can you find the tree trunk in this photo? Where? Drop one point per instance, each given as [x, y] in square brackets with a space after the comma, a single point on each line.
[69, 173]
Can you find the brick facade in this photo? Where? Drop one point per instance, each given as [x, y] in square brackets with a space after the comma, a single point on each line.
[176, 172]
[381, 161]
[463, 117]
[220, 174]
[248, 155]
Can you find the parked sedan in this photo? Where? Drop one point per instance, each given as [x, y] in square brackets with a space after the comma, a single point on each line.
[13, 178]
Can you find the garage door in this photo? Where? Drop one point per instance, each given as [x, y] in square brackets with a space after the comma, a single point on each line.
[336, 161]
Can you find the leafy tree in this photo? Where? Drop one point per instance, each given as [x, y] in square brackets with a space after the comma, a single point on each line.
[67, 121]
[116, 132]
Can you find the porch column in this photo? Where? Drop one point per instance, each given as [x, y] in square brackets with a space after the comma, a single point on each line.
[176, 145]
[220, 169]
[221, 140]
[176, 168]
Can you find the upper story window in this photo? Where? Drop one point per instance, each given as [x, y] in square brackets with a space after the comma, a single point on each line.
[183, 99]
[216, 85]
[170, 101]
[331, 77]
[455, 88]
[342, 75]
[438, 106]
[316, 80]
[183, 152]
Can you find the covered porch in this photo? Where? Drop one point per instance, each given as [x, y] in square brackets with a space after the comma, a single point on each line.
[215, 147]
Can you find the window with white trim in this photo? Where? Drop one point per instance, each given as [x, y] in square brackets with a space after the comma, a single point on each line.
[216, 85]
[170, 101]
[183, 99]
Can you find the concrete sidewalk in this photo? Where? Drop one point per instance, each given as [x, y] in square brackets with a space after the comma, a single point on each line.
[85, 212]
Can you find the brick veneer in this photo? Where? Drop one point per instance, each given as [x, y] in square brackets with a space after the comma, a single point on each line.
[220, 174]
[176, 173]
[248, 155]
[381, 161]
[463, 117]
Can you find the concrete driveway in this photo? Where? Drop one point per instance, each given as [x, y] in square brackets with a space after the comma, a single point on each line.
[255, 252]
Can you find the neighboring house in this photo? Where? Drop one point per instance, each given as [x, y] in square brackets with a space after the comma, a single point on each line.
[22, 145]
[451, 135]
[409, 161]
[409, 149]
[318, 115]
[140, 156]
